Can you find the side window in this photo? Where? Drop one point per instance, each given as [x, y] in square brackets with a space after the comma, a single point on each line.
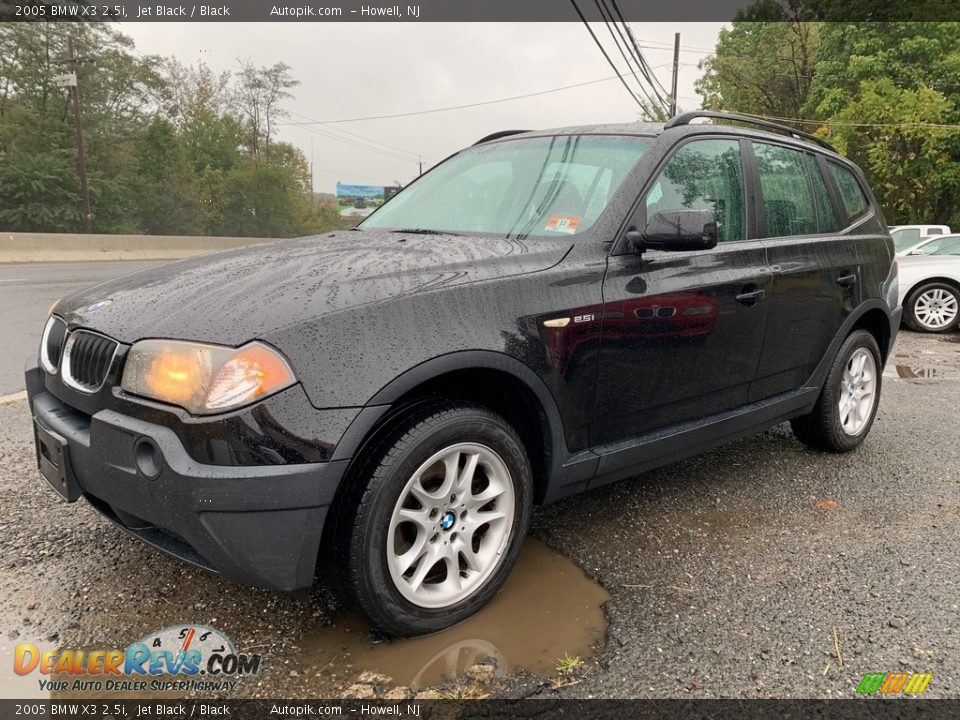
[827, 220]
[704, 175]
[854, 201]
[788, 197]
[934, 231]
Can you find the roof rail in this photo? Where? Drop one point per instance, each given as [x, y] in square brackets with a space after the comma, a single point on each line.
[685, 118]
[499, 134]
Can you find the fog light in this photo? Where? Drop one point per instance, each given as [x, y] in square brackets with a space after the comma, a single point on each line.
[149, 458]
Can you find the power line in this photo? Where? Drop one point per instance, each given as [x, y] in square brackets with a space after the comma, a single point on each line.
[327, 133]
[458, 107]
[367, 140]
[843, 123]
[600, 45]
[646, 69]
[604, 13]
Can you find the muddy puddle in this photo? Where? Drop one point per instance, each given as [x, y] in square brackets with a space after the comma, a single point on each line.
[548, 609]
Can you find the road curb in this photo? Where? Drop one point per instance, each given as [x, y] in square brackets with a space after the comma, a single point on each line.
[62, 247]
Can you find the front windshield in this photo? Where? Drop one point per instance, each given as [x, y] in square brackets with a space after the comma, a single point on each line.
[549, 186]
[905, 238]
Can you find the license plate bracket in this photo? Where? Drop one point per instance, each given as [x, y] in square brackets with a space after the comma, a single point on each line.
[53, 461]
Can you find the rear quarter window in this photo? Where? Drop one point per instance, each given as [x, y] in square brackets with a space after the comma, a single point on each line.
[852, 196]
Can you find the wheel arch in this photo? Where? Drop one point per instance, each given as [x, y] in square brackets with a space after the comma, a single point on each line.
[945, 279]
[872, 315]
[491, 379]
[877, 323]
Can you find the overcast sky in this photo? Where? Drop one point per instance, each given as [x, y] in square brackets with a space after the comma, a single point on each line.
[350, 70]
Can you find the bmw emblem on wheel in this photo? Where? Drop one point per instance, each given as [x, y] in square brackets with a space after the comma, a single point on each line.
[448, 520]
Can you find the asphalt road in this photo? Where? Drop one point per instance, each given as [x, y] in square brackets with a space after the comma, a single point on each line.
[762, 569]
[28, 291]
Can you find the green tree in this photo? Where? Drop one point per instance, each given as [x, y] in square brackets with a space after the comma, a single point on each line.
[763, 64]
[262, 200]
[37, 193]
[886, 93]
[164, 183]
[171, 149]
[117, 89]
[882, 89]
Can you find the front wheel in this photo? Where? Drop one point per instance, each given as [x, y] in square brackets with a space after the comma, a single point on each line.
[847, 405]
[444, 509]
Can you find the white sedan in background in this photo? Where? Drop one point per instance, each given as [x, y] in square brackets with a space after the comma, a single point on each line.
[930, 290]
[907, 238]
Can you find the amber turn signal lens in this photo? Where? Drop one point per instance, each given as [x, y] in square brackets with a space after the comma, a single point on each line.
[175, 377]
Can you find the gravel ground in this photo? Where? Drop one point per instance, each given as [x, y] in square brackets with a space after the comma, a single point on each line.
[746, 572]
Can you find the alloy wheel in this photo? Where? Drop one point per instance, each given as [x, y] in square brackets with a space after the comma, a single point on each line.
[858, 391]
[451, 525]
[936, 308]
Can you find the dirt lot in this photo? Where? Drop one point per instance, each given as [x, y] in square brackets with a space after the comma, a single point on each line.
[759, 570]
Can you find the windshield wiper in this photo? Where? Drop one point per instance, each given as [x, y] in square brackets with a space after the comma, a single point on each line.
[423, 231]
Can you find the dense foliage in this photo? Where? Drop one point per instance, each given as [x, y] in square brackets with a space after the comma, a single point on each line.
[170, 149]
[885, 94]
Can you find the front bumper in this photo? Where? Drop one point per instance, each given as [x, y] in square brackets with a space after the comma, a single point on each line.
[260, 525]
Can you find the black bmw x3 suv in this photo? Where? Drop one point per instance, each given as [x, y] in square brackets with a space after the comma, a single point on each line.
[541, 313]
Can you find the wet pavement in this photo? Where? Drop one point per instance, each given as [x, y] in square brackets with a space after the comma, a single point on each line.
[761, 569]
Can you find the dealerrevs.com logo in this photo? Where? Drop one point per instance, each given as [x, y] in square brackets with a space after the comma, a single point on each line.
[179, 657]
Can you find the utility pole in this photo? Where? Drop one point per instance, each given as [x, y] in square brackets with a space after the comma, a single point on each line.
[676, 68]
[313, 201]
[81, 153]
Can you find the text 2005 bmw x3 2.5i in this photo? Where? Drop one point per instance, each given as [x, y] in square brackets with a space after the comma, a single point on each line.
[542, 313]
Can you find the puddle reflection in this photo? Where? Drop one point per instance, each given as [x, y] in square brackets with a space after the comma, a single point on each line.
[547, 609]
[928, 372]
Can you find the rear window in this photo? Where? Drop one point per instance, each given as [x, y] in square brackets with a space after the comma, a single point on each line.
[788, 200]
[851, 194]
[905, 238]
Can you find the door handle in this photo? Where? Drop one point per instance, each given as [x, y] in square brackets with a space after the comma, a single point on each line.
[749, 297]
[847, 280]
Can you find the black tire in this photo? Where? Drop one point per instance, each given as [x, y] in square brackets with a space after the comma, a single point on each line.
[822, 428]
[378, 484]
[910, 307]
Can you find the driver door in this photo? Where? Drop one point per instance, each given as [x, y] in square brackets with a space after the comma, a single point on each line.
[682, 331]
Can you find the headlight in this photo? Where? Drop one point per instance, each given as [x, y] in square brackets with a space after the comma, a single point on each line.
[204, 379]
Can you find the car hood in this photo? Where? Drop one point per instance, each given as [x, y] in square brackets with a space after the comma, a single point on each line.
[239, 295]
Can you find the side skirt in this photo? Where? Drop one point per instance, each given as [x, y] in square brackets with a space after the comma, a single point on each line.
[616, 461]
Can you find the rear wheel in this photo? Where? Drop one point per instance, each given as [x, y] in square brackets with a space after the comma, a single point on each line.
[933, 307]
[444, 508]
[847, 405]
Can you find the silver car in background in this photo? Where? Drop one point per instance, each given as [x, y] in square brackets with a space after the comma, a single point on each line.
[930, 289]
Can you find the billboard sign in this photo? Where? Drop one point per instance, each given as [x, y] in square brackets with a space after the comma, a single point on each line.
[358, 199]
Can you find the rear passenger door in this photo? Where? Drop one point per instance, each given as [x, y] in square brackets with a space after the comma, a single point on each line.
[814, 259]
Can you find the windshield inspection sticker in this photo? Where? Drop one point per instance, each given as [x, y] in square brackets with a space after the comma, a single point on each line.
[563, 223]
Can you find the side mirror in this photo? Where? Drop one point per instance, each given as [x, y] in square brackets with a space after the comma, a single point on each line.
[676, 230]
